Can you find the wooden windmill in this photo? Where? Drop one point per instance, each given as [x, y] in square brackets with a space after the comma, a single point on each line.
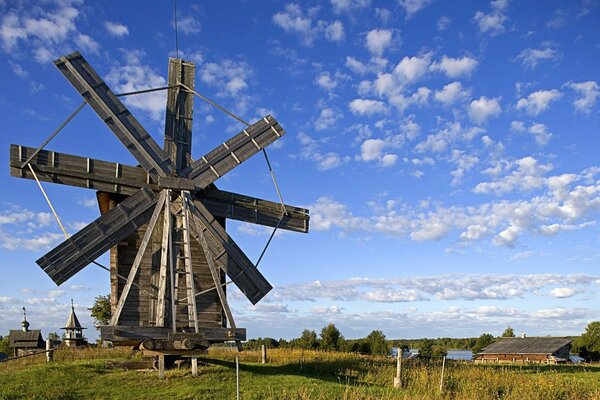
[164, 220]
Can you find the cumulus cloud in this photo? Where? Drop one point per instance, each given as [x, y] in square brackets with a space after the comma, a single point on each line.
[480, 110]
[367, 107]
[378, 40]
[523, 174]
[133, 75]
[588, 91]
[492, 23]
[563, 292]
[116, 29]
[411, 69]
[325, 81]
[327, 118]
[538, 102]
[312, 150]
[455, 67]
[411, 7]
[188, 25]
[45, 33]
[451, 93]
[293, 19]
[340, 6]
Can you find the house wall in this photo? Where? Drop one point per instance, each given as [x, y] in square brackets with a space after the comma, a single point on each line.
[516, 358]
[140, 308]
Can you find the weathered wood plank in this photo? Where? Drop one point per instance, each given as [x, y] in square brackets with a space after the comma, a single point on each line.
[233, 152]
[250, 209]
[114, 114]
[236, 264]
[123, 333]
[75, 253]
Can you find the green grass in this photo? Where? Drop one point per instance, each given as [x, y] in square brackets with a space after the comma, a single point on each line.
[290, 374]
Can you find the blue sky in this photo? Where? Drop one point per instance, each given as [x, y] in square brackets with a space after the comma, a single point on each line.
[447, 152]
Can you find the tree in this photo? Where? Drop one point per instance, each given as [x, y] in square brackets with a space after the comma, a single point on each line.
[483, 341]
[377, 343]
[308, 340]
[4, 345]
[589, 342]
[54, 336]
[508, 332]
[331, 338]
[429, 348]
[101, 311]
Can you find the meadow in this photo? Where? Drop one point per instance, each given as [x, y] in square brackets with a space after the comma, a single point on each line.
[289, 374]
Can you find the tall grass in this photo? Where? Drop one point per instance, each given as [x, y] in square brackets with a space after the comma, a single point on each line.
[292, 374]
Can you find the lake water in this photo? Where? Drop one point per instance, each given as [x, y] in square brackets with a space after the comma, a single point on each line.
[452, 354]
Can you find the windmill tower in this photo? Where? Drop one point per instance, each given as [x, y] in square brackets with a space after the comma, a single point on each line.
[163, 221]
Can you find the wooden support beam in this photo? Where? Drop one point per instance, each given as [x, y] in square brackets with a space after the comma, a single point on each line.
[227, 255]
[236, 150]
[89, 243]
[114, 114]
[162, 275]
[136, 334]
[217, 281]
[138, 258]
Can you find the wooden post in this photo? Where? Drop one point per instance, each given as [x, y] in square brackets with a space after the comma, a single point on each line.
[49, 351]
[397, 381]
[442, 377]
[161, 367]
[194, 366]
[237, 376]
[263, 353]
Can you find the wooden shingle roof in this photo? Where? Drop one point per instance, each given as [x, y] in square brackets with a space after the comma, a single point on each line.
[17, 338]
[528, 345]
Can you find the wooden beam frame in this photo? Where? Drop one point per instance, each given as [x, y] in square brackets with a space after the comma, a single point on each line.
[138, 258]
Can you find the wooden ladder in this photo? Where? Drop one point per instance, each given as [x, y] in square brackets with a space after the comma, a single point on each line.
[183, 270]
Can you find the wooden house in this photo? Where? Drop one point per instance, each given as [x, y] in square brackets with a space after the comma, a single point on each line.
[540, 350]
[25, 341]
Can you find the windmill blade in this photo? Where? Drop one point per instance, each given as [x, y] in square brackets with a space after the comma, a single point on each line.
[77, 252]
[233, 152]
[90, 173]
[226, 254]
[250, 209]
[114, 114]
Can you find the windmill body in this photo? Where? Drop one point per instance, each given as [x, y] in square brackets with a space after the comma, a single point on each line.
[163, 221]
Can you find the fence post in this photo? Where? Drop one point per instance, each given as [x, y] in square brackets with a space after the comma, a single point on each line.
[442, 377]
[237, 377]
[263, 353]
[397, 380]
[49, 351]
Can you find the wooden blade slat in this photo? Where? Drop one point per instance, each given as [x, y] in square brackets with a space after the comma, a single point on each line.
[250, 209]
[233, 152]
[227, 255]
[78, 171]
[114, 114]
[77, 252]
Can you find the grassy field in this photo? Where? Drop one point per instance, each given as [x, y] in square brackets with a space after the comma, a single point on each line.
[290, 374]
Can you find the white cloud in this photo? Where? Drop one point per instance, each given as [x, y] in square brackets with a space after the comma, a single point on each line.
[134, 76]
[563, 292]
[411, 69]
[538, 101]
[523, 174]
[455, 67]
[367, 107]
[411, 7]
[492, 23]
[371, 149]
[327, 310]
[443, 23]
[451, 93]
[188, 25]
[87, 44]
[589, 92]
[355, 65]
[296, 21]
[530, 57]
[540, 133]
[517, 126]
[116, 29]
[33, 243]
[335, 32]
[312, 150]
[378, 40]
[480, 110]
[327, 118]
[324, 81]
[232, 79]
[340, 6]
